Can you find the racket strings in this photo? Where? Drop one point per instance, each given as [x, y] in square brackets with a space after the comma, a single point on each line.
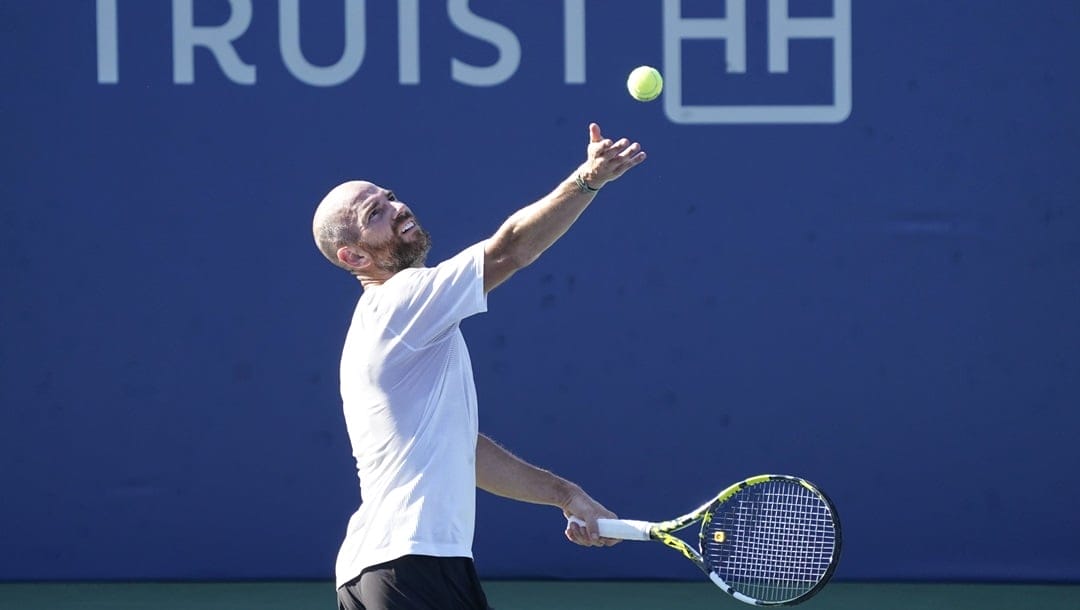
[773, 541]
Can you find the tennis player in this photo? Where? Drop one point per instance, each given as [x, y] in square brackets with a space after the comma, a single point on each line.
[408, 392]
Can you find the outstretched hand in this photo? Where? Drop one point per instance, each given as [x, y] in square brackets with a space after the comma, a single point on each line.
[607, 160]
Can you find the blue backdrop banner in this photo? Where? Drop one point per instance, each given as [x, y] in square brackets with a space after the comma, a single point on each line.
[852, 255]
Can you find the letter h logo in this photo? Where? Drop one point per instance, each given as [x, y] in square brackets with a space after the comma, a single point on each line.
[782, 29]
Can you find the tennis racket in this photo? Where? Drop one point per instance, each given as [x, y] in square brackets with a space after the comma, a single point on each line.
[770, 540]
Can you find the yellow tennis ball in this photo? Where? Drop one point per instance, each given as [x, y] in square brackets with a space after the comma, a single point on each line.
[645, 83]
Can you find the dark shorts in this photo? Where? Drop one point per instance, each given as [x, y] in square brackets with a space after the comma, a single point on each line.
[416, 582]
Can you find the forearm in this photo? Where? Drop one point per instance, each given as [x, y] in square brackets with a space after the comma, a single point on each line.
[527, 233]
[500, 472]
[533, 229]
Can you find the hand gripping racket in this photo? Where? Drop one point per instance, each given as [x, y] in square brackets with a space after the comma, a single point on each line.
[770, 540]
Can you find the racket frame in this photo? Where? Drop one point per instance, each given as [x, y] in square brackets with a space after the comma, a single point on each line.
[662, 532]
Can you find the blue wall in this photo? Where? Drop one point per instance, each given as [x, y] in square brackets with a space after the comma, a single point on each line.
[884, 299]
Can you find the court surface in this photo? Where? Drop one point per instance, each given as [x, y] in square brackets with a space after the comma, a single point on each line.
[533, 595]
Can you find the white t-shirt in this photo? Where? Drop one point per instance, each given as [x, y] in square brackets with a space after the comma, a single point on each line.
[410, 408]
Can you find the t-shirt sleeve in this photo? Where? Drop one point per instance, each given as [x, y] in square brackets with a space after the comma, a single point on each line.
[438, 298]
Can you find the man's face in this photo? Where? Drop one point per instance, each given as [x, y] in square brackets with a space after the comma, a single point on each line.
[389, 231]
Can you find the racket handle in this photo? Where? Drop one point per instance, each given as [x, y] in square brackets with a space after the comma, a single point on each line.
[620, 529]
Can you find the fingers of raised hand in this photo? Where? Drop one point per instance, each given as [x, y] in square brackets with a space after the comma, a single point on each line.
[623, 158]
[608, 159]
[599, 148]
[618, 151]
[594, 132]
[632, 154]
[606, 148]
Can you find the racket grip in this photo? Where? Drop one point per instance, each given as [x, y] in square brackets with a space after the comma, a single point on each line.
[620, 529]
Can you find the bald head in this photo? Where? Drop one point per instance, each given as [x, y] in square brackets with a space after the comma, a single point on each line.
[366, 230]
[335, 223]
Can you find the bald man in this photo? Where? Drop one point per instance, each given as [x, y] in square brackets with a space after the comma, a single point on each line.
[409, 396]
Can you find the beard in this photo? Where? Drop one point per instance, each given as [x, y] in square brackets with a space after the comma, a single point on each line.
[400, 254]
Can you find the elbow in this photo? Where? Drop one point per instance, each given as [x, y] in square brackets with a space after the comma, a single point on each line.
[521, 258]
[510, 254]
[507, 265]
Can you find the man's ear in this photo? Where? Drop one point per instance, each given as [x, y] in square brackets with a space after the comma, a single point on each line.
[354, 258]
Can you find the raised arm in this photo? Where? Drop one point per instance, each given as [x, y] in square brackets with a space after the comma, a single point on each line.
[532, 229]
[500, 472]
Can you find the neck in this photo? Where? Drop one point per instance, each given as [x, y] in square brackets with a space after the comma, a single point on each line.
[370, 282]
